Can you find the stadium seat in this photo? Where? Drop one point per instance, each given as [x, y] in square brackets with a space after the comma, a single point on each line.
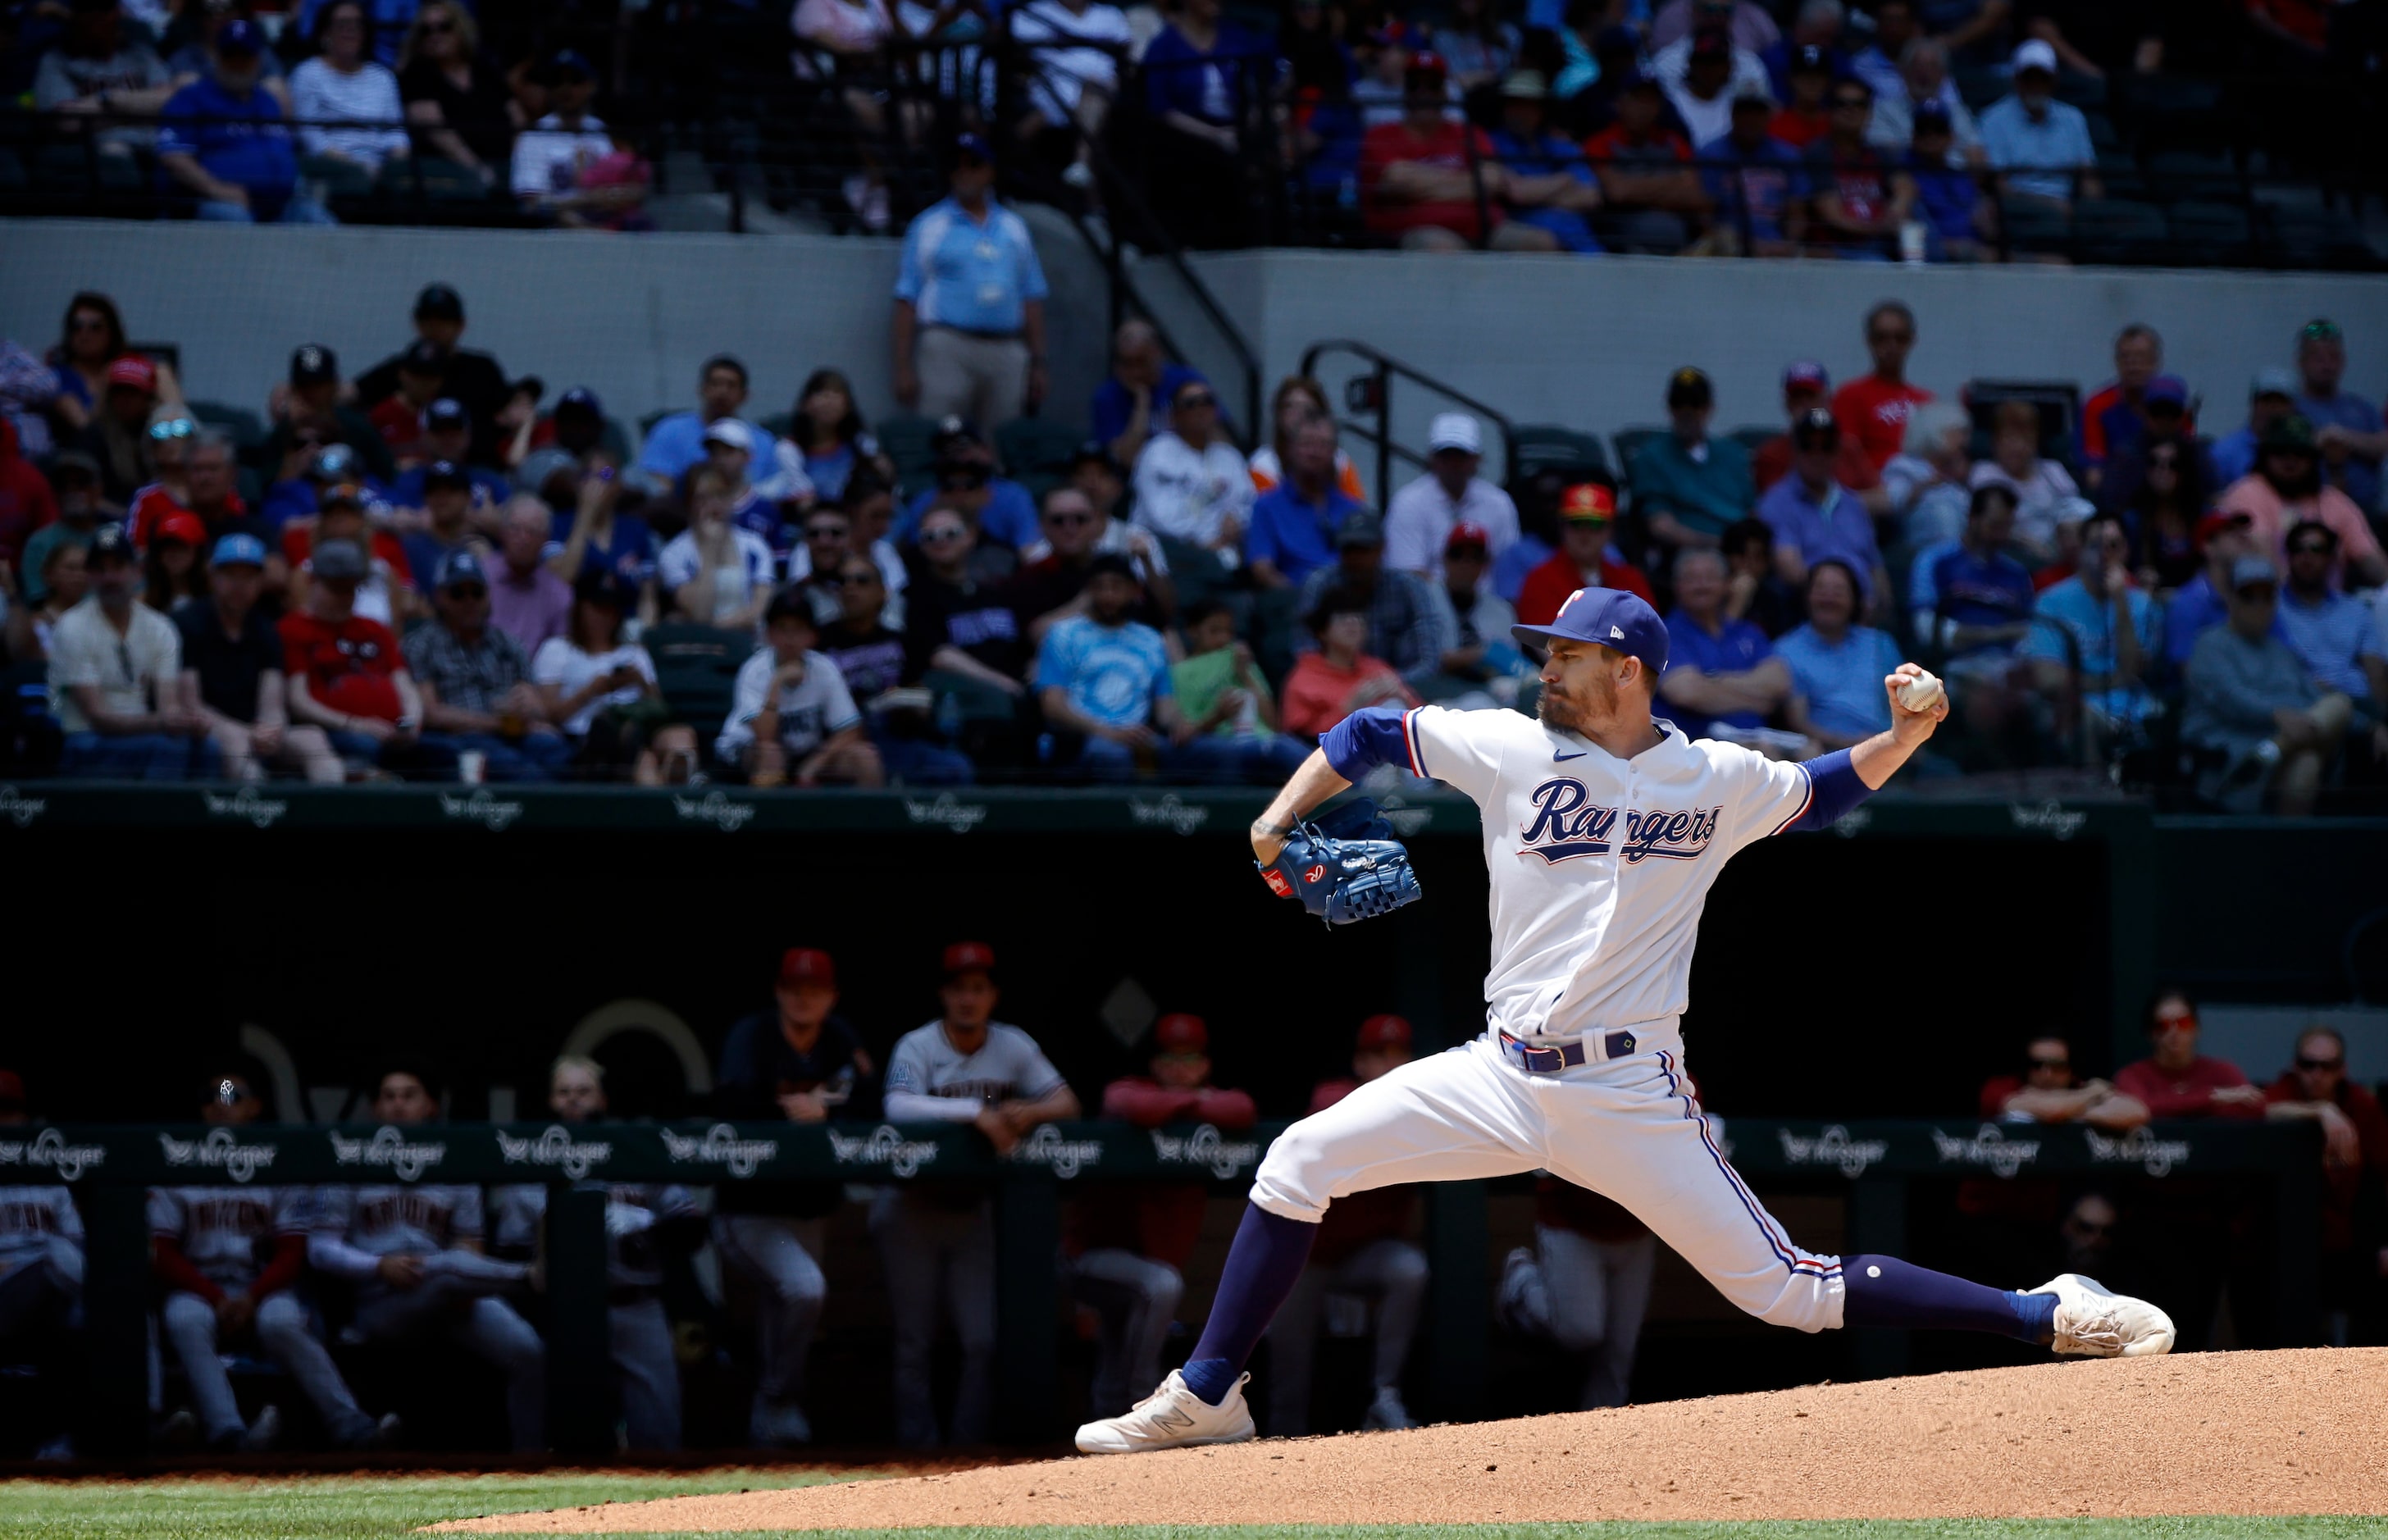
[2032, 225]
[1754, 436]
[1629, 442]
[905, 436]
[2110, 231]
[2313, 237]
[247, 429]
[1036, 445]
[2187, 175]
[777, 423]
[341, 180]
[2210, 234]
[696, 668]
[1539, 444]
[434, 180]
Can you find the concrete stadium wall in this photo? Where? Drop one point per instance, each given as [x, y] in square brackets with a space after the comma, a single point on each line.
[1589, 344]
[632, 318]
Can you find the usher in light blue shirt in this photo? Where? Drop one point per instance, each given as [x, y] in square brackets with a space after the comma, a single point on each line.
[969, 275]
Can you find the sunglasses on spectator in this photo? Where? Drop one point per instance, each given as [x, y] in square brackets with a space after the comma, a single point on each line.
[825, 532]
[1069, 521]
[857, 579]
[2309, 548]
[940, 535]
[1197, 397]
[467, 590]
[2316, 1065]
[176, 428]
[2052, 1064]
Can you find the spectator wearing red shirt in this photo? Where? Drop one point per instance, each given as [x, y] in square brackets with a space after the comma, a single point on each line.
[1587, 513]
[347, 675]
[1806, 117]
[2355, 1156]
[1654, 200]
[1872, 410]
[1805, 387]
[1131, 1241]
[2113, 419]
[399, 418]
[1433, 184]
[2048, 1091]
[26, 501]
[1362, 1248]
[2175, 1080]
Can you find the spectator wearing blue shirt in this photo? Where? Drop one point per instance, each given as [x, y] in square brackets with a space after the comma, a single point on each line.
[969, 328]
[2112, 631]
[2332, 632]
[2040, 146]
[1719, 671]
[1813, 516]
[448, 433]
[677, 441]
[1105, 678]
[224, 139]
[1818, 25]
[998, 507]
[1837, 667]
[1196, 76]
[2347, 428]
[1550, 185]
[1756, 178]
[1967, 596]
[2202, 603]
[1956, 216]
[1121, 413]
[2271, 397]
[1292, 532]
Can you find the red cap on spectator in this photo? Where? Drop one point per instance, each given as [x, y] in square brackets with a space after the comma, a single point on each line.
[1180, 1033]
[2215, 522]
[1806, 374]
[134, 370]
[12, 1091]
[1468, 537]
[807, 965]
[181, 525]
[1588, 500]
[969, 957]
[1385, 1032]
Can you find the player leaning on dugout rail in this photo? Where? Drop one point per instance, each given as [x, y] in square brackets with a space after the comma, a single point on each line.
[1604, 830]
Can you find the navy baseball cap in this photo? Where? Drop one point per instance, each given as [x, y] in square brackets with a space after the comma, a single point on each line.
[1933, 113]
[973, 146]
[446, 473]
[446, 412]
[567, 62]
[238, 549]
[1613, 617]
[240, 35]
[111, 543]
[423, 358]
[461, 566]
[578, 399]
[440, 302]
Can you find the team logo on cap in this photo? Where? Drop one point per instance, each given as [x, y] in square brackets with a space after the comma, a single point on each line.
[1570, 600]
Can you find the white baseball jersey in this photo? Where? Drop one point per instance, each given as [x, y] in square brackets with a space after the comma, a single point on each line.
[926, 1066]
[394, 1221]
[225, 1231]
[36, 1224]
[1599, 866]
[632, 1211]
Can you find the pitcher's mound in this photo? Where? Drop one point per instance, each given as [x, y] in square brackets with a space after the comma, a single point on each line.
[2304, 1432]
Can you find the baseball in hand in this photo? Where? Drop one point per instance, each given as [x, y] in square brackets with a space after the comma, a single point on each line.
[1919, 691]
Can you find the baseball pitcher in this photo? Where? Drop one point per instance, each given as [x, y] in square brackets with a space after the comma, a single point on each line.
[1603, 831]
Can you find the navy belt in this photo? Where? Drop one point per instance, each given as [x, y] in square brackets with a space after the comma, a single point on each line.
[1561, 1056]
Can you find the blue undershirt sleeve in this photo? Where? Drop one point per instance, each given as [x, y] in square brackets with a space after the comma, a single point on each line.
[1368, 737]
[1837, 789]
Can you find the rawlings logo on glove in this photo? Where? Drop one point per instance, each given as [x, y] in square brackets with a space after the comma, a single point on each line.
[1344, 866]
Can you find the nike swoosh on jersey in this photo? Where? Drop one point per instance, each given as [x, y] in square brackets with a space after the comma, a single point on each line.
[1563, 759]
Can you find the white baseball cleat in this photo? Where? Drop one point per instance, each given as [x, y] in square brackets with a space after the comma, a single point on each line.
[1171, 1418]
[2094, 1322]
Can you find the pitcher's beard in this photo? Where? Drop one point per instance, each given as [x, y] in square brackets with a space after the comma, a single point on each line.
[1566, 714]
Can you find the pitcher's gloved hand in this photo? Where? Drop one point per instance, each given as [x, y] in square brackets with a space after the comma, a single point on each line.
[1344, 866]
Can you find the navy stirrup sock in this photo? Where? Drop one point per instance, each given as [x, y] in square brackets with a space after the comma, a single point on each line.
[1882, 1291]
[1263, 1266]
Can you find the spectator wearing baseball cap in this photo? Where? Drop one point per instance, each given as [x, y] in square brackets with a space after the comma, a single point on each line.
[2198, 605]
[677, 441]
[1422, 516]
[115, 672]
[2039, 144]
[1814, 516]
[550, 154]
[2271, 395]
[1721, 672]
[448, 435]
[444, 492]
[1480, 656]
[471, 379]
[1921, 84]
[400, 417]
[1689, 487]
[1294, 522]
[729, 449]
[937, 1243]
[1545, 184]
[2113, 418]
[1134, 398]
[2290, 486]
[232, 668]
[74, 478]
[223, 140]
[1754, 178]
[1957, 215]
[968, 326]
[1408, 626]
[1651, 198]
[715, 572]
[118, 437]
[1191, 483]
[2346, 427]
[1806, 114]
[1702, 73]
[791, 719]
[1362, 1248]
[1128, 1244]
[801, 1062]
[1587, 519]
[477, 695]
[174, 565]
[1336, 673]
[309, 410]
[1806, 384]
[1103, 679]
[2253, 701]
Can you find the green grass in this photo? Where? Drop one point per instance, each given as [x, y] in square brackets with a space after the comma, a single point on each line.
[367, 1507]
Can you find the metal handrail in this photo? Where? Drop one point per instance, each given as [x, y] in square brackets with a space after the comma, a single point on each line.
[1385, 369]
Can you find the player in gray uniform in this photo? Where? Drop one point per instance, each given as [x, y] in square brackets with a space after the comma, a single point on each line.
[40, 1273]
[415, 1255]
[638, 1217]
[938, 1238]
[227, 1258]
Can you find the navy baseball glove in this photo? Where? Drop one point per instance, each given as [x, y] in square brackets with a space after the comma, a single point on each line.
[1344, 866]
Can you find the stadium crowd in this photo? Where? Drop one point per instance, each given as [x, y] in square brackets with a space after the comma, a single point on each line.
[430, 569]
[295, 1289]
[1923, 129]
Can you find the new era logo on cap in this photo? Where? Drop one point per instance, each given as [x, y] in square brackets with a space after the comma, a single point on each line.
[1615, 634]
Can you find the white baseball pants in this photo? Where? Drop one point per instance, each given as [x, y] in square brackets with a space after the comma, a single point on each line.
[281, 1328]
[1629, 1129]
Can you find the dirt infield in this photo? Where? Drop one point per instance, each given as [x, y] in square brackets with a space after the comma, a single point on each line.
[2292, 1432]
